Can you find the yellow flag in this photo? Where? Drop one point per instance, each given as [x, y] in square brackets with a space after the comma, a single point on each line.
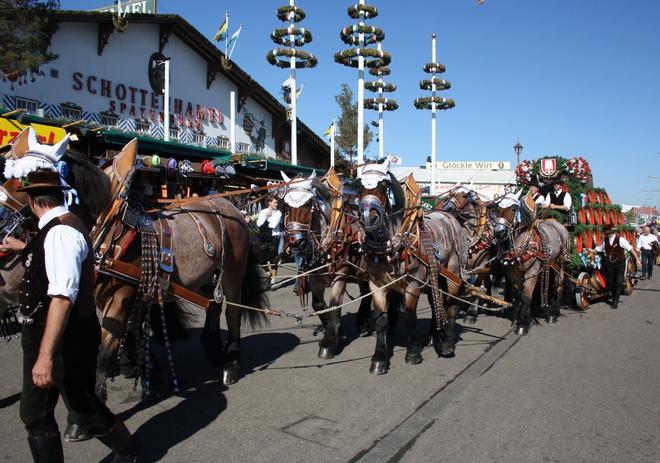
[327, 132]
[222, 30]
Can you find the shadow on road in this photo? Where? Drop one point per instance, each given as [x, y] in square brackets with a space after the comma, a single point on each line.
[200, 407]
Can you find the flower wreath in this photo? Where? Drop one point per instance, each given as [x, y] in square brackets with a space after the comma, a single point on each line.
[350, 35]
[303, 59]
[358, 11]
[440, 84]
[388, 104]
[284, 13]
[373, 58]
[283, 36]
[524, 172]
[441, 103]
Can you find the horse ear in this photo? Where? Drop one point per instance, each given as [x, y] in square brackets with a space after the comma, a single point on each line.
[313, 175]
[517, 195]
[285, 177]
[125, 160]
[21, 144]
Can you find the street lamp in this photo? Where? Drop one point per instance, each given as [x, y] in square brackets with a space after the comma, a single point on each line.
[518, 149]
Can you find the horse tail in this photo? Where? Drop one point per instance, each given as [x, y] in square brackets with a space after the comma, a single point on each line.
[254, 290]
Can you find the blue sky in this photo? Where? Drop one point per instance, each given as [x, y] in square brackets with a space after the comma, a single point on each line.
[569, 77]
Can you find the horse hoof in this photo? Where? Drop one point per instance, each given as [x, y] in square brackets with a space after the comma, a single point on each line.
[554, 319]
[470, 319]
[327, 352]
[522, 331]
[230, 375]
[446, 349]
[378, 367]
[414, 358]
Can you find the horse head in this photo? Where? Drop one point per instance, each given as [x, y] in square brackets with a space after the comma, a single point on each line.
[375, 206]
[460, 199]
[508, 207]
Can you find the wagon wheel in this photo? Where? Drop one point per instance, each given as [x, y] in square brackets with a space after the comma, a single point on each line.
[631, 268]
[582, 298]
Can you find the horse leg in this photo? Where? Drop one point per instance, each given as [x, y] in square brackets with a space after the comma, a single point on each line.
[524, 318]
[448, 336]
[116, 300]
[329, 344]
[556, 302]
[210, 338]
[364, 311]
[231, 365]
[473, 311]
[415, 345]
[380, 361]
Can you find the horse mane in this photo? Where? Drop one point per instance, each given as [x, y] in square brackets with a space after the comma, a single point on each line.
[322, 189]
[397, 191]
[91, 183]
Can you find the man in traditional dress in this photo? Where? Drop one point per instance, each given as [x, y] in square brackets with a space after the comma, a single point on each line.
[614, 265]
[646, 243]
[269, 222]
[61, 332]
[559, 200]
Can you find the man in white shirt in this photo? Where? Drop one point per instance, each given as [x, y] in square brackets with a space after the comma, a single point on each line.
[61, 332]
[614, 263]
[269, 222]
[559, 200]
[645, 245]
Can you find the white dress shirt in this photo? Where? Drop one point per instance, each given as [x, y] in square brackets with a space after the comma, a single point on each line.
[622, 242]
[568, 202]
[273, 221]
[542, 200]
[644, 241]
[65, 249]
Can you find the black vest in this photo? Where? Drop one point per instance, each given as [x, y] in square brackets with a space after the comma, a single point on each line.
[614, 252]
[33, 293]
[557, 200]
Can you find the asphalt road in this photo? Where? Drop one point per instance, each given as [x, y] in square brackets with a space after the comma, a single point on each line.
[586, 389]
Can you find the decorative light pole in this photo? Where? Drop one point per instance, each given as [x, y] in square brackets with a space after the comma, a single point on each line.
[434, 102]
[359, 35]
[380, 104]
[291, 57]
[518, 149]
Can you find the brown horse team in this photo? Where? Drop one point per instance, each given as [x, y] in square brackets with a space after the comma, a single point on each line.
[370, 230]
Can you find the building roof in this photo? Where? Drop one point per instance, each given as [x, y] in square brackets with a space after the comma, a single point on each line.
[423, 175]
[206, 49]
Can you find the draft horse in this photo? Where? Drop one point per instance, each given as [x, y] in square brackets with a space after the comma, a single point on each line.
[533, 253]
[201, 247]
[406, 252]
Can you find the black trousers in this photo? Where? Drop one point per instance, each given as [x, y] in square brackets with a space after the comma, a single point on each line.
[647, 262]
[74, 375]
[615, 273]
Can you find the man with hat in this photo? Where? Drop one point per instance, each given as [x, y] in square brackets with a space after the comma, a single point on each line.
[614, 247]
[559, 200]
[534, 188]
[61, 332]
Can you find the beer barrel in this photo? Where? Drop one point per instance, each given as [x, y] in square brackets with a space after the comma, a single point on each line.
[622, 218]
[598, 238]
[607, 217]
[587, 240]
[590, 215]
[607, 198]
[577, 240]
[615, 217]
[591, 196]
[582, 216]
[597, 281]
[598, 216]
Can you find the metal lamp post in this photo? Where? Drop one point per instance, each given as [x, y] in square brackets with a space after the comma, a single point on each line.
[518, 149]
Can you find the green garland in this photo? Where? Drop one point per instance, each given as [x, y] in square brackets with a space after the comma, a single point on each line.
[373, 58]
[283, 13]
[283, 36]
[359, 11]
[430, 68]
[380, 72]
[374, 86]
[388, 104]
[440, 84]
[441, 103]
[350, 35]
[303, 58]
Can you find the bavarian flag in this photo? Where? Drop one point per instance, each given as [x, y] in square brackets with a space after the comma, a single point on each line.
[328, 130]
[222, 30]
